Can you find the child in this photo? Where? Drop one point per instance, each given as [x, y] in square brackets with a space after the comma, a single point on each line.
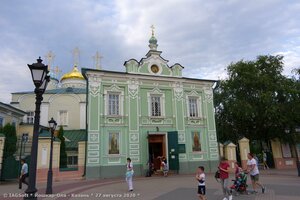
[129, 174]
[200, 176]
[165, 167]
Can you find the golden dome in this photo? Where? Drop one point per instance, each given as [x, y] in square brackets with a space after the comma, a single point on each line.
[73, 74]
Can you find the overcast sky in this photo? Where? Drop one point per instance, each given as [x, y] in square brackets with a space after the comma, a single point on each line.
[203, 36]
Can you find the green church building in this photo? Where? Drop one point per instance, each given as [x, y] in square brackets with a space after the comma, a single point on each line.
[147, 112]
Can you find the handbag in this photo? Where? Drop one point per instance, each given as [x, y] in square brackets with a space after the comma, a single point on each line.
[217, 174]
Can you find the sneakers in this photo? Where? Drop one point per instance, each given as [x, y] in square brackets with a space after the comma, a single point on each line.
[263, 189]
[230, 197]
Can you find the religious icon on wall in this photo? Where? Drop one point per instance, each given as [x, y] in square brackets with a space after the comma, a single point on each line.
[114, 143]
[196, 141]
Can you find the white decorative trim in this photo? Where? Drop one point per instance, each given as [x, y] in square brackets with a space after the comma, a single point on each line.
[133, 86]
[156, 92]
[93, 160]
[178, 90]
[93, 154]
[93, 147]
[134, 146]
[114, 160]
[134, 152]
[115, 90]
[181, 137]
[93, 138]
[208, 94]
[134, 137]
[194, 94]
[94, 84]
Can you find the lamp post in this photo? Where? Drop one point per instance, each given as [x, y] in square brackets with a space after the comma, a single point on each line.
[52, 126]
[40, 79]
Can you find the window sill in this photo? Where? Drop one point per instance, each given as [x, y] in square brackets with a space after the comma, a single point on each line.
[157, 117]
[113, 116]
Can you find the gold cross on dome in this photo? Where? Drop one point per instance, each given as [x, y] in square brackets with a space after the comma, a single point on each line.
[50, 57]
[57, 71]
[97, 58]
[76, 54]
[152, 27]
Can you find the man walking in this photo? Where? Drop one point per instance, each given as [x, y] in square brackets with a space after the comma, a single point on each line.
[24, 173]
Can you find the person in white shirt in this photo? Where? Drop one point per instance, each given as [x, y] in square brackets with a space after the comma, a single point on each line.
[24, 173]
[129, 174]
[200, 177]
[254, 172]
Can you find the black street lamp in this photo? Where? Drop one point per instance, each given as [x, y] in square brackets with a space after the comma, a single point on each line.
[40, 79]
[52, 126]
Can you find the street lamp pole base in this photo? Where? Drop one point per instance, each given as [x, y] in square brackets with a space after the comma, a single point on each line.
[30, 194]
[49, 182]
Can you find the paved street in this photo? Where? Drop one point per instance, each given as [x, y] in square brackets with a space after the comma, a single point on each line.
[280, 185]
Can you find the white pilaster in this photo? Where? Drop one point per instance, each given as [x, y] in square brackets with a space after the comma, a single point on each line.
[82, 115]
[44, 114]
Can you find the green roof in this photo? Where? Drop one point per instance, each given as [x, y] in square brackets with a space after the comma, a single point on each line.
[72, 137]
[2, 135]
[68, 90]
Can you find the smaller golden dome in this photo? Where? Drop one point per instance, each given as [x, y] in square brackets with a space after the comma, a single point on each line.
[75, 73]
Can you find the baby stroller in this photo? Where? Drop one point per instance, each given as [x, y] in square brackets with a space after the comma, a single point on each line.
[239, 184]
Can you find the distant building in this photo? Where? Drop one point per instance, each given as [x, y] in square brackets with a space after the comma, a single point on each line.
[11, 115]
[65, 101]
[147, 112]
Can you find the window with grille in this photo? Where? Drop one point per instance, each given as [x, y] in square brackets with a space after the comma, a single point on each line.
[193, 107]
[113, 104]
[155, 105]
[30, 117]
[63, 117]
[72, 160]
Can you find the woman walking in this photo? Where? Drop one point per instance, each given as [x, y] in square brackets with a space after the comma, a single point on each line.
[129, 174]
[254, 173]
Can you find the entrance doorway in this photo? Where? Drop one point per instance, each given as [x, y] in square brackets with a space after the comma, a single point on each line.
[157, 149]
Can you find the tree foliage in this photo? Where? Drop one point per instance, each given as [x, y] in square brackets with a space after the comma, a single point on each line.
[10, 145]
[257, 101]
[63, 154]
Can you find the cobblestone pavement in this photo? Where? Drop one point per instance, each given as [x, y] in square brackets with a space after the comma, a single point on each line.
[280, 185]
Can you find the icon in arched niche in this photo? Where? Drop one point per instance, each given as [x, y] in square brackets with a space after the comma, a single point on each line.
[114, 143]
[196, 141]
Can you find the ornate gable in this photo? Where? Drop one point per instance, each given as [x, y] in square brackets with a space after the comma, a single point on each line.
[153, 64]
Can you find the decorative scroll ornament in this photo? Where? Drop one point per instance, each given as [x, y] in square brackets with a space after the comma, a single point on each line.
[208, 94]
[133, 86]
[94, 85]
[178, 91]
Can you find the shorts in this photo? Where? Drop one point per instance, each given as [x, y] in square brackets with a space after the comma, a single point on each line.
[201, 189]
[255, 177]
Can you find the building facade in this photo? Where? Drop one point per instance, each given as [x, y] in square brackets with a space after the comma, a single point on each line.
[65, 101]
[147, 112]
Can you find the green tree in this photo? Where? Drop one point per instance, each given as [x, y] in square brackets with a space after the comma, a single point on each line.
[10, 145]
[256, 100]
[63, 154]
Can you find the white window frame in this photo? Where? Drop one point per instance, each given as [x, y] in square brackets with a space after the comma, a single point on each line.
[114, 90]
[156, 93]
[115, 108]
[59, 118]
[198, 101]
[30, 116]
